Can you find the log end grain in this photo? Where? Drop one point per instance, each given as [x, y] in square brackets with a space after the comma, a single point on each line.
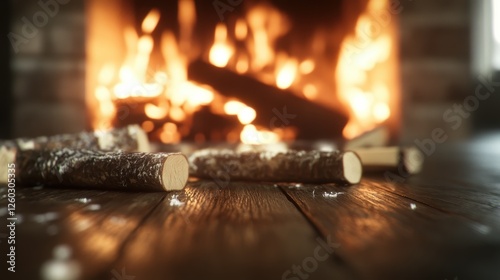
[413, 160]
[175, 172]
[353, 169]
[6, 156]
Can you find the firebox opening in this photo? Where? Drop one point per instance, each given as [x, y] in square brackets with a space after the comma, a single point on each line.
[259, 72]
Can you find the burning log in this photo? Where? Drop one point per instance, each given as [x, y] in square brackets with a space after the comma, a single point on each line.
[275, 107]
[289, 166]
[404, 160]
[129, 139]
[102, 170]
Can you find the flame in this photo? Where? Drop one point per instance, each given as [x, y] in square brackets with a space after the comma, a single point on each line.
[155, 112]
[252, 136]
[247, 45]
[233, 107]
[307, 66]
[360, 58]
[221, 51]
[247, 115]
[286, 74]
[151, 21]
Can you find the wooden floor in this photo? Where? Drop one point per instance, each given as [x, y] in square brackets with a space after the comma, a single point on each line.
[442, 224]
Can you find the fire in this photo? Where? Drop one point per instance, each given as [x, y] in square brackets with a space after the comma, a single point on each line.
[158, 84]
[221, 52]
[359, 85]
[286, 74]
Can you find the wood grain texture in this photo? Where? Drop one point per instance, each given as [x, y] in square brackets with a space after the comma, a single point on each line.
[276, 166]
[238, 231]
[388, 236]
[102, 170]
[93, 224]
[442, 224]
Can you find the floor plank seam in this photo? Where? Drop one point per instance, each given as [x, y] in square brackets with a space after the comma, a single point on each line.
[133, 232]
[433, 207]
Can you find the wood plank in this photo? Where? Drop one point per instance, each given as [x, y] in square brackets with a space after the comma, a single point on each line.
[469, 200]
[386, 236]
[241, 231]
[461, 180]
[92, 224]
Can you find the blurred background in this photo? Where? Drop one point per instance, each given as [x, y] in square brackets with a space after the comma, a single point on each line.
[445, 49]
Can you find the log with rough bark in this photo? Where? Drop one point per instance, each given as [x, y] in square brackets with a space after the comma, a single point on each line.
[128, 139]
[275, 107]
[102, 170]
[272, 166]
[405, 160]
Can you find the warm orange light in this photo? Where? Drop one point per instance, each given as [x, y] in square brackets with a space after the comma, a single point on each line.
[233, 107]
[381, 112]
[286, 74]
[247, 115]
[359, 86]
[155, 112]
[221, 51]
[252, 136]
[169, 133]
[241, 29]
[148, 126]
[307, 67]
[151, 21]
[310, 91]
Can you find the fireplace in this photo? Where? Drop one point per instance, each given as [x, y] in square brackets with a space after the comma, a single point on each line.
[256, 72]
[55, 73]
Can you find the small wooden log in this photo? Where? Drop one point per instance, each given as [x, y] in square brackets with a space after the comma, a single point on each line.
[102, 170]
[275, 107]
[271, 166]
[376, 159]
[376, 137]
[129, 139]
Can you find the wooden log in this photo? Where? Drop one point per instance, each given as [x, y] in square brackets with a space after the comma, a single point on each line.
[376, 137]
[275, 107]
[272, 166]
[129, 139]
[102, 170]
[376, 159]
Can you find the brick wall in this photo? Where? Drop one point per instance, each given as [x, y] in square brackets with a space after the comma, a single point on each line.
[48, 67]
[435, 63]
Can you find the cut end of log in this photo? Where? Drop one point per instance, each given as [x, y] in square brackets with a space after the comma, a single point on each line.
[353, 169]
[175, 172]
[6, 156]
[142, 138]
[413, 160]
